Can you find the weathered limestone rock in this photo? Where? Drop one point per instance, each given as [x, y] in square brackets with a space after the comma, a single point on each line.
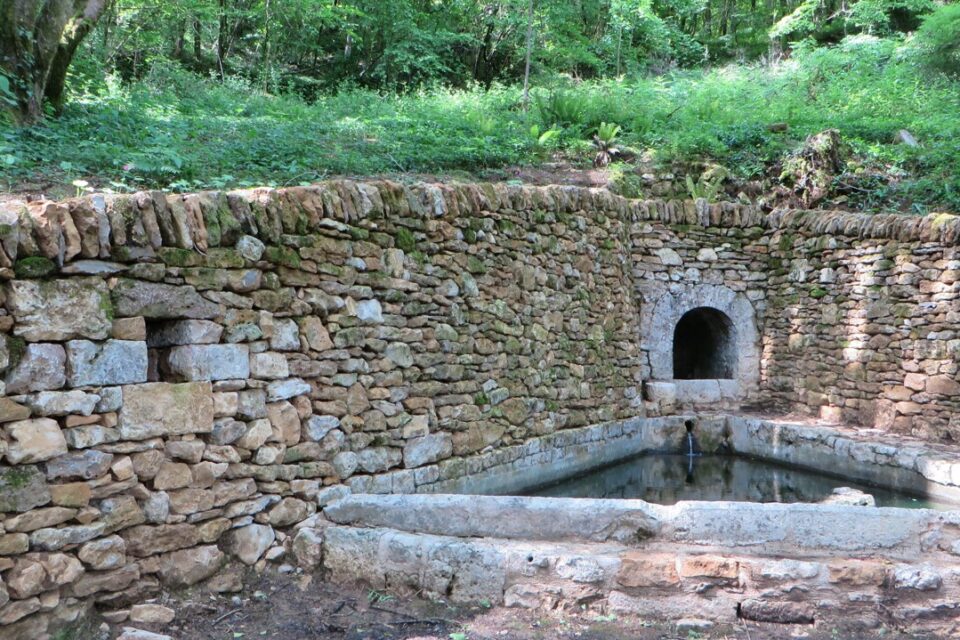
[399, 353]
[286, 389]
[114, 362]
[73, 494]
[184, 332]
[285, 422]
[920, 578]
[62, 403]
[155, 300]
[190, 566]
[38, 519]
[308, 548]
[316, 335]
[95, 582]
[316, 427]
[156, 507]
[145, 540]
[346, 463]
[54, 539]
[209, 362]
[84, 465]
[249, 543]
[783, 612]
[379, 459]
[132, 329]
[284, 335]
[12, 544]
[250, 248]
[252, 404]
[42, 367]
[60, 309]
[369, 311]
[269, 366]
[172, 475]
[10, 411]
[428, 449]
[258, 432]
[25, 579]
[104, 553]
[34, 440]
[159, 409]
[152, 614]
[22, 488]
[289, 511]
[61, 568]
[648, 570]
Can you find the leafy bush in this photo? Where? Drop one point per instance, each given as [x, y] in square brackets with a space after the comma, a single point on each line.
[561, 108]
[176, 129]
[939, 36]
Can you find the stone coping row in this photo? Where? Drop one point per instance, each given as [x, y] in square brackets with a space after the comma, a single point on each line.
[661, 583]
[763, 529]
[860, 454]
[132, 227]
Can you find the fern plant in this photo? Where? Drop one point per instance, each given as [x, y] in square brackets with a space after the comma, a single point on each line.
[707, 186]
[605, 140]
[560, 109]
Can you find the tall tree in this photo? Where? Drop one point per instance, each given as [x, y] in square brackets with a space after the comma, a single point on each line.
[529, 54]
[38, 39]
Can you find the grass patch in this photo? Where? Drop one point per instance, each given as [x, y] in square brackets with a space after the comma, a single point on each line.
[178, 131]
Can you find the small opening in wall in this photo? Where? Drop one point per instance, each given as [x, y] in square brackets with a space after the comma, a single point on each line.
[688, 424]
[703, 345]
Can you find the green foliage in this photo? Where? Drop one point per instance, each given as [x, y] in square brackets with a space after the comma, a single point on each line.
[34, 267]
[708, 185]
[176, 129]
[607, 132]
[561, 109]
[405, 240]
[939, 37]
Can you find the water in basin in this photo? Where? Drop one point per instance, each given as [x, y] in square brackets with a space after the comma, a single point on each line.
[667, 479]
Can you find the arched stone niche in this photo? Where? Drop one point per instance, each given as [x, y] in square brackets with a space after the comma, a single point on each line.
[705, 317]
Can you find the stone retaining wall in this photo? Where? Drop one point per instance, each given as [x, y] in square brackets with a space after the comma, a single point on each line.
[185, 376]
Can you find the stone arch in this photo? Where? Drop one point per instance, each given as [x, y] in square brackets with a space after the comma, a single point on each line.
[704, 341]
[664, 307]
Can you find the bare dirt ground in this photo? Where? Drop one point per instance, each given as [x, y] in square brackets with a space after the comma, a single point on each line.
[300, 607]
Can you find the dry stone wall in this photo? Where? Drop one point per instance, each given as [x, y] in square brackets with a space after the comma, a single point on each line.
[186, 377]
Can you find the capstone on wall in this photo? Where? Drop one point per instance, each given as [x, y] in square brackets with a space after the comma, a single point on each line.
[187, 377]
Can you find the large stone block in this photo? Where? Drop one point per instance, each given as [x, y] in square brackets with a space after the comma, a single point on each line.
[34, 440]
[189, 566]
[429, 448]
[112, 362]
[22, 488]
[60, 309]
[161, 408]
[179, 332]
[156, 300]
[85, 465]
[249, 543]
[41, 368]
[210, 362]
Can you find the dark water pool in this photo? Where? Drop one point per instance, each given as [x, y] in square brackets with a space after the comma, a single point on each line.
[667, 479]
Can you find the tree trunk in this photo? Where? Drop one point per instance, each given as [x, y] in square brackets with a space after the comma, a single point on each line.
[222, 38]
[176, 51]
[197, 44]
[38, 40]
[265, 48]
[526, 71]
